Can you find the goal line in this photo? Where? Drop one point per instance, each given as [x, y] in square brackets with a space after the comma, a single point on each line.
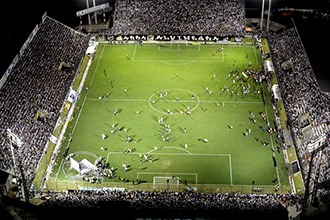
[178, 45]
[159, 178]
[165, 180]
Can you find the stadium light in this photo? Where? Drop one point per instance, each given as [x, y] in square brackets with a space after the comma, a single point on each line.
[89, 16]
[16, 143]
[95, 9]
[268, 16]
[262, 14]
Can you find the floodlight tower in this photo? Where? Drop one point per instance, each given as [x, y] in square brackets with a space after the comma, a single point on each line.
[15, 144]
[268, 16]
[95, 13]
[262, 14]
[95, 9]
[312, 182]
[89, 16]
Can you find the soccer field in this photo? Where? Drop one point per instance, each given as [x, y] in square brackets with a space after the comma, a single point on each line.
[175, 114]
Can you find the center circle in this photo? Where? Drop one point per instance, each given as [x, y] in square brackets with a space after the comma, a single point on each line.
[173, 101]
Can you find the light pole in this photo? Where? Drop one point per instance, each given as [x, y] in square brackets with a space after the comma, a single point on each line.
[268, 16]
[262, 14]
[15, 144]
[89, 16]
[95, 13]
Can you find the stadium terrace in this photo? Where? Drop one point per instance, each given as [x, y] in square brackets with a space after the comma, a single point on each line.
[178, 109]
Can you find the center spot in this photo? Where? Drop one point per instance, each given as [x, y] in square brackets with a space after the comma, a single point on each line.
[174, 101]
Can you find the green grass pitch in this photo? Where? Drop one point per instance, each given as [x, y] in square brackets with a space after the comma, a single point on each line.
[163, 103]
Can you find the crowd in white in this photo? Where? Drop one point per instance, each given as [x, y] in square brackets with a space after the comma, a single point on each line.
[173, 201]
[302, 95]
[172, 17]
[37, 83]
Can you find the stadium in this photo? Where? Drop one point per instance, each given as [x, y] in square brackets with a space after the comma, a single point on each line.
[165, 109]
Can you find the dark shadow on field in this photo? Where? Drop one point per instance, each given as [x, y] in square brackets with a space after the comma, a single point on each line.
[176, 98]
[107, 124]
[129, 150]
[186, 107]
[123, 179]
[114, 125]
[177, 76]
[205, 88]
[154, 101]
[181, 145]
[154, 117]
[203, 140]
[125, 91]
[114, 169]
[120, 128]
[218, 104]
[112, 83]
[182, 130]
[154, 160]
[157, 137]
[230, 126]
[107, 95]
[117, 111]
[138, 140]
[167, 138]
[204, 109]
[183, 109]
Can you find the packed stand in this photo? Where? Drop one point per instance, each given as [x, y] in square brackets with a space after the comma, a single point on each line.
[301, 94]
[179, 17]
[171, 201]
[37, 83]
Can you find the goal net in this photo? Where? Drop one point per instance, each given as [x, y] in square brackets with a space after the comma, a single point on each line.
[175, 42]
[165, 180]
[178, 45]
[181, 42]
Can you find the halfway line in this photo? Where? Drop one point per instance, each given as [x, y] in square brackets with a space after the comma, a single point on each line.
[173, 100]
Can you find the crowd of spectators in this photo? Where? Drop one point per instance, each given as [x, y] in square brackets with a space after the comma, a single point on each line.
[37, 83]
[173, 17]
[302, 95]
[168, 201]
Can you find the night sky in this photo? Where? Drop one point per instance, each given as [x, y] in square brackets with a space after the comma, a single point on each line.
[22, 16]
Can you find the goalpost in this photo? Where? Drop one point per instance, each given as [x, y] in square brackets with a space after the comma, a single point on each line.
[182, 42]
[175, 43]
[184, 45]
[162, 180]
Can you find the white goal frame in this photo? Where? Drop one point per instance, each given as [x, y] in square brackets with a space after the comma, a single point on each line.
[164, 179]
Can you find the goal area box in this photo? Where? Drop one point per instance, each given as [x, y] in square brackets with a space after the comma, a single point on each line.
[161, 180]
